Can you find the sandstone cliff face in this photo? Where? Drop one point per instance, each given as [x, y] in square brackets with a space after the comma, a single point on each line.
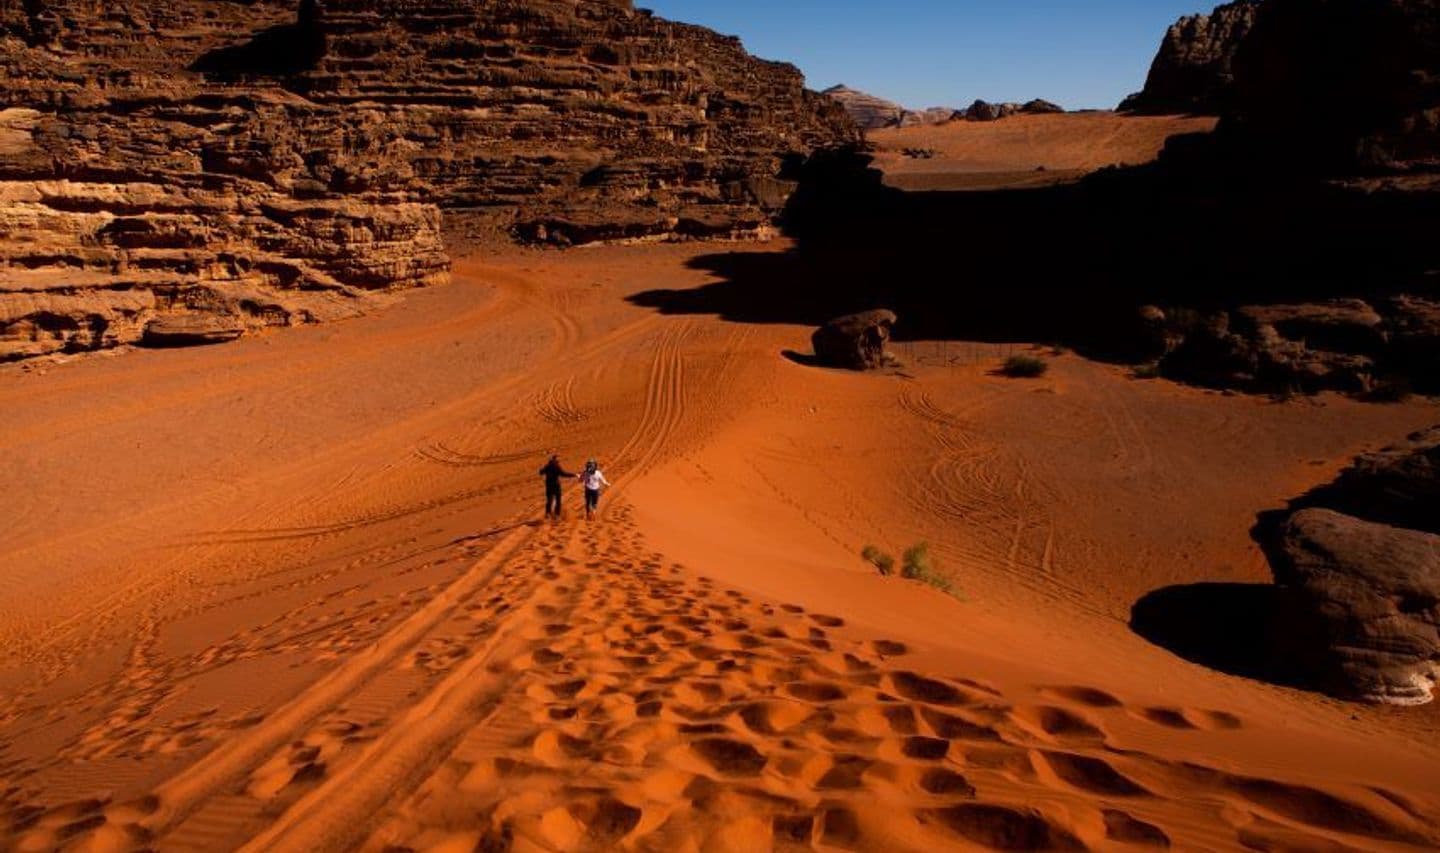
[1194, 70]
[1340, 86]
[265, 164]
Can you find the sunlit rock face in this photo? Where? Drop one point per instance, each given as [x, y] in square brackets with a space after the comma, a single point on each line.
[274, 165]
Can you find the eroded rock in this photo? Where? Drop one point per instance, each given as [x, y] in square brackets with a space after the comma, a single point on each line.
[1194, 69]
[1363, 605]
[191, 329]
[1340, 344]
[856, 342]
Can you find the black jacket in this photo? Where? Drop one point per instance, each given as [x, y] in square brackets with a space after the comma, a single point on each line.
[554, 473]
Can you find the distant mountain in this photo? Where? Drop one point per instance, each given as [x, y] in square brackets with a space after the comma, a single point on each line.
[873, 113]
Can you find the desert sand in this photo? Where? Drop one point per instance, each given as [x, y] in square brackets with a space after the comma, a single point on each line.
[1023, 150]
[292, 594]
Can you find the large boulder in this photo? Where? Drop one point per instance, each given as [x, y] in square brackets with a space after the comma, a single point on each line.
[1362, 616]
[184, 329]
[856, 342]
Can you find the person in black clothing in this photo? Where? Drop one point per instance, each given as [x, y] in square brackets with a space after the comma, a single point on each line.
[554, 472]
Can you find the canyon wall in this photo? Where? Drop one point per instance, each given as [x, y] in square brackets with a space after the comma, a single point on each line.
[1194, 69]
[188, 170]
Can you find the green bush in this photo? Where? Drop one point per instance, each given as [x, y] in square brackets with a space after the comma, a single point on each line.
[1147, 371]
[917, 562]
[1025, 367]
[879, 559]
[918, 565]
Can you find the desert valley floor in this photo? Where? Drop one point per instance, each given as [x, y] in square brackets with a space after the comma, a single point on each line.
[291, 593]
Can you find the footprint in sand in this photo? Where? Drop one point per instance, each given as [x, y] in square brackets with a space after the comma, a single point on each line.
[1191, 719]
[1091, 775]
[918, 688]
[1121, 828]
[1089, 696]
[729, 757]
[1059, 723]
[1004, 828]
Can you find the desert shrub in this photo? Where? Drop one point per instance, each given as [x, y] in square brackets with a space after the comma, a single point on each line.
[917, 561]
[1025, 367]
[1147, 371]
[917, 564]
[879, 559]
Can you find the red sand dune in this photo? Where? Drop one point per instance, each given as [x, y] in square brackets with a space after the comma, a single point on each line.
[1012, 151]
[286, 594]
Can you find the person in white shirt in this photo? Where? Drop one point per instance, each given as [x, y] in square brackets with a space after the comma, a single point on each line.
[593, 479]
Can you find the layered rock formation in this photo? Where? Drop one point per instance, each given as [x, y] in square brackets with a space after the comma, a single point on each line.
[1361, 608]
[1194, 70]
[875, 113]
[131, 191]
[270, 165]
[1340, 344]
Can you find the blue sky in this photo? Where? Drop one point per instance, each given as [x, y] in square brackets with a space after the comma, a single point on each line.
[949, 52]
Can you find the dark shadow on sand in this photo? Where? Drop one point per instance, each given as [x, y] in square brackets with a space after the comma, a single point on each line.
[1229, 627]
[1067, 264]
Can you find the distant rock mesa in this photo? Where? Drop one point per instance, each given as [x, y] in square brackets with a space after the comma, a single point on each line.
[874, 113]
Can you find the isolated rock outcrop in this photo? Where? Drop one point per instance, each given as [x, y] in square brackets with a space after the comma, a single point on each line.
[1332, 345]
[285, 163]
[982, 111]
[1363, 605]
[1194, 70]
[856, 341]
[986, 111]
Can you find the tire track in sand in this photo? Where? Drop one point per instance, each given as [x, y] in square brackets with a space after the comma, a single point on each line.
[662, 412]
[180, 795]
[340, 811]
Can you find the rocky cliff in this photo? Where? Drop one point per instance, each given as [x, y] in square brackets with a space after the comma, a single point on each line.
[1341, 87]
[1194, 70]
[182, 170]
